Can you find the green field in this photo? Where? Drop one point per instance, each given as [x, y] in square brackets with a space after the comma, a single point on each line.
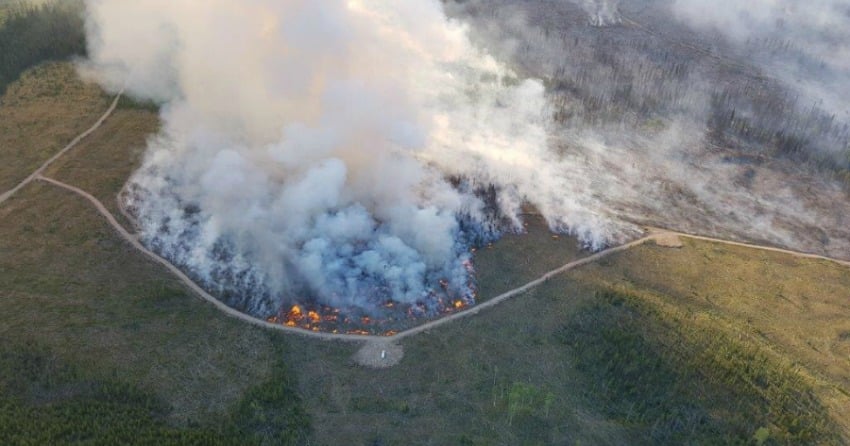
[706, 344]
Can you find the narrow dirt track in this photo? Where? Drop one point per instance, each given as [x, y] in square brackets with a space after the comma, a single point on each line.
[517, 291]
[8, 194]
[134, 241]
[197, 289]
[799, 254]
[471, 311]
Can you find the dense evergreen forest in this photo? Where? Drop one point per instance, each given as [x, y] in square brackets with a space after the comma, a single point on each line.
[31, 34]
[45, 400]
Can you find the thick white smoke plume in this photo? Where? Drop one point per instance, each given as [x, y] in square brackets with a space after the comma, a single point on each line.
[307, 144]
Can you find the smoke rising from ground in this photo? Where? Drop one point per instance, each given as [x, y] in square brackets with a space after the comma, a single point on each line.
[306, 147]
[352, 152]
[683, 129]
[601, 12]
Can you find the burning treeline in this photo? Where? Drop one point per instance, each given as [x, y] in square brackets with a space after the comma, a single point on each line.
[392, 318]
[386, 319]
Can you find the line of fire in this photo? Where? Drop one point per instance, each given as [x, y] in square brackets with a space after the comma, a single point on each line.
[391, 318]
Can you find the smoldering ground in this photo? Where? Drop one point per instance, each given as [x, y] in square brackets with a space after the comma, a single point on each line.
[307, 146]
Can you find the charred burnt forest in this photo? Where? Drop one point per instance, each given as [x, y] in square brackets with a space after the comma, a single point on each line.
[642, 69]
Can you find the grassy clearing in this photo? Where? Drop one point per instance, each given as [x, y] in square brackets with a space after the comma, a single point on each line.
[495, 379]
[102, 163]
[40, 114]
[520, 258]
[43, 400]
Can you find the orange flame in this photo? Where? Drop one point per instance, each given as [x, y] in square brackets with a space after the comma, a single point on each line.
[295, 312]
[314, 317]
[324, 318]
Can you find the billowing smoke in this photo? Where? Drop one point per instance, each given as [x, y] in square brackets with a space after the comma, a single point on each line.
[330, 151]
[350, 153]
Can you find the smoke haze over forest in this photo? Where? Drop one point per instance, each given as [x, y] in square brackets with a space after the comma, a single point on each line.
[700, 128]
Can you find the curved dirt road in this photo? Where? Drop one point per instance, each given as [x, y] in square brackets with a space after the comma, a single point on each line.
[134, 241]
[6, 195]
[799, 254]
[654, 234]
[471, 311]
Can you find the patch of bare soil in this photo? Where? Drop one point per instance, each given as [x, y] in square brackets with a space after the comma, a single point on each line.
[379, 354]
[668, 241]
